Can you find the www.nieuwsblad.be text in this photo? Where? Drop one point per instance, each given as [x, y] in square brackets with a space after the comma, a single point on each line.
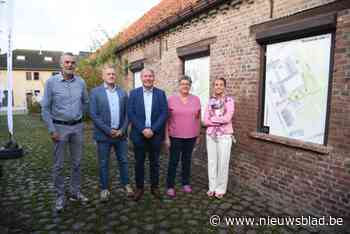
[216, 220]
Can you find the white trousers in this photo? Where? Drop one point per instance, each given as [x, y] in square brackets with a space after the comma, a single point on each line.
[219, 152]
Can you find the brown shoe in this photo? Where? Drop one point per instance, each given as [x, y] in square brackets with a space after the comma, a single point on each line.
[138, 194]
[155, 192]
[128, 190]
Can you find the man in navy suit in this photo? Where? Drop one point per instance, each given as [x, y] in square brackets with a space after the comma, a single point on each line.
[147, 112]
[108, 111]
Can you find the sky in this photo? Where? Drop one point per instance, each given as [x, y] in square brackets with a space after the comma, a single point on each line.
[67, 25]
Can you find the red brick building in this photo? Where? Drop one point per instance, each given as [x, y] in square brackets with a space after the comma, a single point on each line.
[287, 63]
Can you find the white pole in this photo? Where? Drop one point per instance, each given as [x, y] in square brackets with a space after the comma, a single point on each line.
[10, 85]
[10, 8]
[2, 32]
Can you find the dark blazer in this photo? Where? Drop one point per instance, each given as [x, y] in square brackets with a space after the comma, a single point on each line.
[100, 112]
[137, 116]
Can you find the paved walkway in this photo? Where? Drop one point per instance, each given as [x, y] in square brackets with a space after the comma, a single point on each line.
[27, 198]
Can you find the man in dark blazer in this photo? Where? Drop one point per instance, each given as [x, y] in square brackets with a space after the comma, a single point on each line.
[108, 111]
[147, 112]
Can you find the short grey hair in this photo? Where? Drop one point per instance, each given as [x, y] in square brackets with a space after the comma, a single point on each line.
[147, 69]
[67, 54]
[185, 77]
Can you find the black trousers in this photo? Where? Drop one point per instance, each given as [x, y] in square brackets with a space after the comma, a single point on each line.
[153, 151]
[180, 148]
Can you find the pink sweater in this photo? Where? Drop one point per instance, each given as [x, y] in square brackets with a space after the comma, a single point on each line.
[184, 119]
[218, 116]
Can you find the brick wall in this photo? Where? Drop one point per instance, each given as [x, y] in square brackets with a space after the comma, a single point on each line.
[316, 183]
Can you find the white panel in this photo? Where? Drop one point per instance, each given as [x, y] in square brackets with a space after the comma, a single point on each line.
[137, 79]
[296, 90]
[199, 71]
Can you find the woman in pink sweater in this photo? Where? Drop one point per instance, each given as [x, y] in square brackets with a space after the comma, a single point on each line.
[181, 135]
[218, 119]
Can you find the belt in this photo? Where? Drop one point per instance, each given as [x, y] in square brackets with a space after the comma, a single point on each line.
[70, 122]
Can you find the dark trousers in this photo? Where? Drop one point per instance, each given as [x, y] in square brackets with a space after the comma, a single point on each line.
[180, 147]
[153, 151]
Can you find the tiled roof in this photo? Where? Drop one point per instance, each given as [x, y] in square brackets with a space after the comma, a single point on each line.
[159, 13]
[167, 14]
[33, 60]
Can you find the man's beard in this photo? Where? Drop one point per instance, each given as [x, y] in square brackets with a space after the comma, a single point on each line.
[68, 72]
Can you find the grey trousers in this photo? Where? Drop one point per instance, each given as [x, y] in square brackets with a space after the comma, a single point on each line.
[71, 136]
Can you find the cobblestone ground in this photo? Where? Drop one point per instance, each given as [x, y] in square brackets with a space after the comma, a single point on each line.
[27, 198]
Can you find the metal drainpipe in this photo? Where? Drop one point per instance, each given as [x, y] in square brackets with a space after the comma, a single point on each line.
[271, 8]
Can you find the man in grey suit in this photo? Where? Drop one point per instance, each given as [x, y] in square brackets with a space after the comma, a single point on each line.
[64, 102]
[108, 111]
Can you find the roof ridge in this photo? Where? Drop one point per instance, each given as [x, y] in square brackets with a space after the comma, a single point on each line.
[35, 50]
[164, 10]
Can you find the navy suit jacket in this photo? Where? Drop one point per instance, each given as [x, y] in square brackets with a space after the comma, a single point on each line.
[100, 113]
[137, 116]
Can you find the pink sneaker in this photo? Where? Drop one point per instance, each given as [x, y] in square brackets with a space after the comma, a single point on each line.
[219, 195]
[171, 192]
[187, 189]
[210, 194]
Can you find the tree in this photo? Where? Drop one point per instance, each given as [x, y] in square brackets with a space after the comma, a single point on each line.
[90, 68]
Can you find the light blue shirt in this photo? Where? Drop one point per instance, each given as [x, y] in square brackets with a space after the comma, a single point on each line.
[64, 100]
[147, 99]
[113, 100]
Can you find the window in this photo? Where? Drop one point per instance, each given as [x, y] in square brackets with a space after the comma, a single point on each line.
[36, 76]
[28, 75]
[296, 87]
[48, 59]
[199, 70]
[296, 78]
[196, 62]
[5, 98]
[21, 57]
[136, 67]
[137, 79]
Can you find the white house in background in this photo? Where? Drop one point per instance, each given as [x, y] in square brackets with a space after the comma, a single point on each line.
[31, 69]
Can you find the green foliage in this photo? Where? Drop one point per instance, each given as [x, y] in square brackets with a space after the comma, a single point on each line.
[90, 68]
[90, 73]
[34, 108]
